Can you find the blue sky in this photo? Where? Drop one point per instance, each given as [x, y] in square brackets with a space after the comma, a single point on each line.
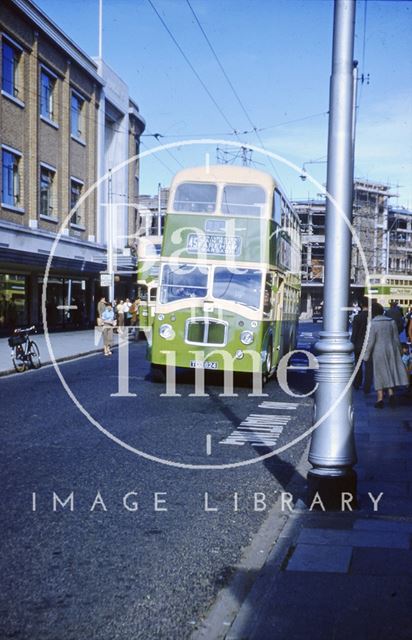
[277, 54]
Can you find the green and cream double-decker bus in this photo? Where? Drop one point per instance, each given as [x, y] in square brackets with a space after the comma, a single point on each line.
[229, 284]
[148, 264]
[385, 288]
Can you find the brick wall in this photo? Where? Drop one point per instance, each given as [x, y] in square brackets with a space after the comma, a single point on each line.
[22, 128]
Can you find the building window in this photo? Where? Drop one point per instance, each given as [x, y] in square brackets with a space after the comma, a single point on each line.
[47, 86]
[11, 56]
[47, 176]
[76, 121]
[75, 193]
[10, 185]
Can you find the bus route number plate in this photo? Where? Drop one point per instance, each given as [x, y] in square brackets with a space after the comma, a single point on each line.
[214, 244]
[199, 364]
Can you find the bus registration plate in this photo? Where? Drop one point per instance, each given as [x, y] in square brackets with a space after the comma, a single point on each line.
[200, 364]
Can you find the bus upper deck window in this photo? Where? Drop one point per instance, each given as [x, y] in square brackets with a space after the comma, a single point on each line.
[195, 197]
[243, 200]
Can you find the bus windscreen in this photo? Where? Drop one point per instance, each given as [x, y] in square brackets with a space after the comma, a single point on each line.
[242, 286]
[183, 281]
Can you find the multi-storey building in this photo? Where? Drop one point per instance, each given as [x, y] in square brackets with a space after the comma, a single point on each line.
[120, 125]
[52, 97]
[152, 211]
[400, 240]
[370, 222]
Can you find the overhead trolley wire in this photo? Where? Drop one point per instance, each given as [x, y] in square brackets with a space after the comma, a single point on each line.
[159, 159]
[235, 93]
[212, 98]
[231, 133]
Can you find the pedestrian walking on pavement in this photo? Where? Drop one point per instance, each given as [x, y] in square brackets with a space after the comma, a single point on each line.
[134, 309]
[120, 314]
[384, 348]
[126, 310]
[101, 305]
[396, 313]
[408, 324]
[108, 324]
[407, 361]
[359, 326]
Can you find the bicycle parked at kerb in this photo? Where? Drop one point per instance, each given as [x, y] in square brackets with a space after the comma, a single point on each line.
[24, 352]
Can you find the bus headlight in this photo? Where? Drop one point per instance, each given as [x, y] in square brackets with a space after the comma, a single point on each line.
[166, 332]
[246, 337]
[239, 354]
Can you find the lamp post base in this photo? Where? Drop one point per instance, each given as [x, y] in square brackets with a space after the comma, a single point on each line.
[332, 489]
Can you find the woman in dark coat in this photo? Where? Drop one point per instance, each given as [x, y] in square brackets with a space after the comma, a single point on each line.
[384, 348]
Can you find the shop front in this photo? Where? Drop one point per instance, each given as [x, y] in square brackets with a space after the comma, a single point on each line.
[68, 301]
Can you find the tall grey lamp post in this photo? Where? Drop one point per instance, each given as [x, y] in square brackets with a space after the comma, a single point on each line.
[332, 452]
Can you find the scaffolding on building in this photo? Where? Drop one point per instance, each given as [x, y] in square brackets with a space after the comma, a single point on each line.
[370, 222]
[384, 240]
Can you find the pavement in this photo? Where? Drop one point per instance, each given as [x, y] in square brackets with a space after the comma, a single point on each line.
[311, 574]
[339, 574]
[65, 346]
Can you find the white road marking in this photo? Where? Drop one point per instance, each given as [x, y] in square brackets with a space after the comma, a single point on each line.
[261, 430]
[279, 405]
[208, 444]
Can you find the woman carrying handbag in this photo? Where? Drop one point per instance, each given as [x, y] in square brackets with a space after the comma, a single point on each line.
[108, 323]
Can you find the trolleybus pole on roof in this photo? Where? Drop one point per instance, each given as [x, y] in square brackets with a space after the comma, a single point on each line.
[332, 452]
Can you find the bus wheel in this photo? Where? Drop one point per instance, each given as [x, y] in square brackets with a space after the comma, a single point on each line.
[268, 362]
[158, 373]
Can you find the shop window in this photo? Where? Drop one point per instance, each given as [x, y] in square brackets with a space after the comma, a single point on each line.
[10, 77]
[47, 181]
[13, 301]
[10, 186]
[76, 116]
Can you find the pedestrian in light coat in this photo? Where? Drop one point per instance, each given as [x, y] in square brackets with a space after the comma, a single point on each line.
[120, 314]
[384, 348]
[101, 305]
